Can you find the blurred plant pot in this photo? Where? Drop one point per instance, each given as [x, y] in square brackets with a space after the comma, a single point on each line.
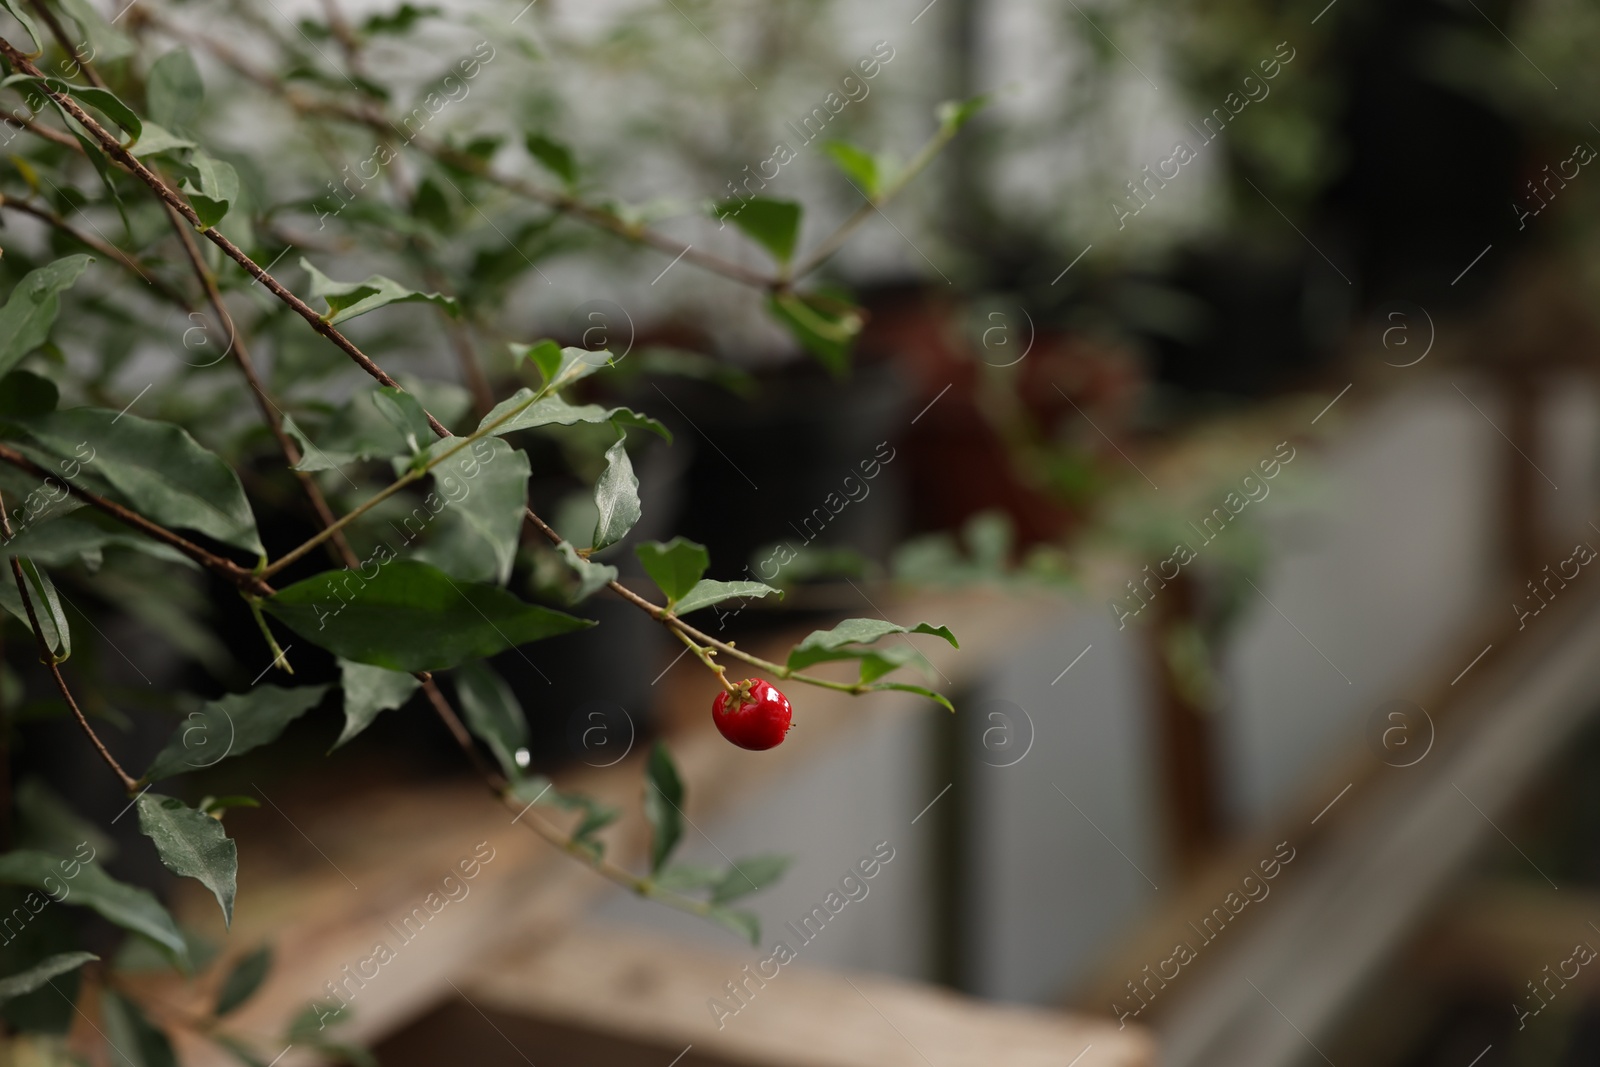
[959, 461]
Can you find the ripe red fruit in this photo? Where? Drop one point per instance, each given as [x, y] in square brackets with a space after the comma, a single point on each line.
[755, 717]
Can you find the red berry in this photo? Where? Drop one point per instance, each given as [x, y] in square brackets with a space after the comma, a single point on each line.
[756, 717]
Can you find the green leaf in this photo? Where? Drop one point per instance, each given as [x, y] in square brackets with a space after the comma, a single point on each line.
[91, 887]
[954, 114]
[35, 977]
[675, 567]
[232, 726]
[20, 13]
[405, 413]
[432, 206]
[309, 1024]
[663, 805]
[105, 41]
[46, 606]
[493, 715]
[774, 224]
[34, 502]
[877, 662]
[173, 90]
[823, 645]
[363, 428]
[485, 486]
[243, 980]
[747, 876]
[208, 805]
[53, 931]
[917, 689]
[137, 1040]
[557, 158]
[159, 140]
[412, 617]
[559, 367]
[23, 393]
[399, 21]
[545, 355]
[554, 411]
[825, 326]
[32, 307]
[707, 592]
[592, 577]
[617, 497]
[686, 878]
[192, 845]
[217, 188]
[537, 789]
[857, 165]
[346, 300]
[314, 457]
[47, 823]
[154, 467]
[368, 691]
[102, 100]
[71, 538]
[746, 924]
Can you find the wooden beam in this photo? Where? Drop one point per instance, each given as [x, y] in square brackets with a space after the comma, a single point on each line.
[648, 990]
[1283, 984]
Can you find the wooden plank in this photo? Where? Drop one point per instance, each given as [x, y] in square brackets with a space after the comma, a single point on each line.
[1307, 821]
[1500, 935]
[1285, 981]
[651, 989]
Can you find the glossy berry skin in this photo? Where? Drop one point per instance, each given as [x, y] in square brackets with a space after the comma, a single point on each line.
[759, 722]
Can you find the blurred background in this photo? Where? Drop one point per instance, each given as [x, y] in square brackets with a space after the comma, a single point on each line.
[1230, 383]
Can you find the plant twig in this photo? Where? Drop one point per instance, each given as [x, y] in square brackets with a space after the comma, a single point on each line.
[569, 844]
[270, 412]
[59, 32]
[706, 656]
[430, 688]
[48, 658]
[65, 140]
[115, 150]
[565, 203]
[234, 573]
[835, 241]
[104, 248]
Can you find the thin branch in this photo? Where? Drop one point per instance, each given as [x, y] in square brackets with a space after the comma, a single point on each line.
[48, 658]
[345, 34]
[835, 241]
[269, 410]
[565, 203]
[65, 140]
[569, 844]
[59, 32]
[244, 579]
[413, 474]
[706, 656]
[105, 248]
[114, 149]
[460, 335]
[430, 688]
